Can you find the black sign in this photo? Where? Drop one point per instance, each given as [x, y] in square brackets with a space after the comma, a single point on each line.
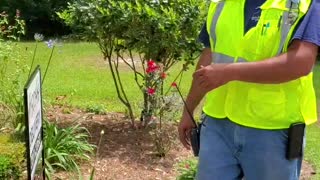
[34, 130]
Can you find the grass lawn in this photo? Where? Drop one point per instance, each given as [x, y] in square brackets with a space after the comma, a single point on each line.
[312, 153]
[313, 148]
[78, 69]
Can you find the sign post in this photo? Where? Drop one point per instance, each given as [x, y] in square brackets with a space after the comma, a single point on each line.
[34, 129]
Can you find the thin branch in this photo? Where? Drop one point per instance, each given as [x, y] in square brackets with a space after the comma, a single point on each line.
[198, 56]
[33, 58]
[180, 73]
[122, 89]
[123, 59]
[136, 73]
[143, 61]
[132, 67]
[120, 83]
[171, 62]
[108, 57]
[45, 73]
[180, 78]
[115, 80]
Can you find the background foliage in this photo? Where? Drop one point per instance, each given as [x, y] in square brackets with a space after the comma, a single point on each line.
[40, 15]
[12, 158]
[12, 67]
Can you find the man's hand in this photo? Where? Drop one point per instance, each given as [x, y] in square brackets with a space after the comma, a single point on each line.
[185, 126]
[193, 99]
[212, 76]
[297, 62]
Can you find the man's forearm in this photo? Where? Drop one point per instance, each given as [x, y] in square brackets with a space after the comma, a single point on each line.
[195, 95]
[297, 62]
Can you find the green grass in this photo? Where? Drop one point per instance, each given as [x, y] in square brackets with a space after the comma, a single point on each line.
[79, 68]
[312, 153]
[316, 80]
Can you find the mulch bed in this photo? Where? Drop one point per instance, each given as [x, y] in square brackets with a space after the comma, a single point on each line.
[126, 153]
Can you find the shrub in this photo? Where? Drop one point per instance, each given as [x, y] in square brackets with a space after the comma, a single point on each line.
[12, 158]
[6, 168]
[127, 31]
[187, 169]
[64, 148]
[96, 109]
[12, 67]
[149, 37]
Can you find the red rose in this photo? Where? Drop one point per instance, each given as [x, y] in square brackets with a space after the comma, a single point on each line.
[151, 63]
[163, 75]
[149, 70]
[151, 91]
[174, 84]
[151, 67]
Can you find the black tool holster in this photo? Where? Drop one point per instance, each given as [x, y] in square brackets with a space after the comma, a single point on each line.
[195, 139]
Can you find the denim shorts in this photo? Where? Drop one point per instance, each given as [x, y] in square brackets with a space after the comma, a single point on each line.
[229, 151]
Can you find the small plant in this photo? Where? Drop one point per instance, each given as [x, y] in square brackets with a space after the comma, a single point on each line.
[96, 109]
[187, 169]
[159, 106]
[7, 169]
[64, 148]
[64, 102]
[163, 141]
[11, 158]
[11, 100]
[19, 123]
[93, 170]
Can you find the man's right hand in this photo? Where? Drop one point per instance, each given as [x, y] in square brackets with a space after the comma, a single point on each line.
[193, 99]
[185, 127]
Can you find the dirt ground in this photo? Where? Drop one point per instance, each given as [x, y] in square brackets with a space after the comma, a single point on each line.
[126, 153]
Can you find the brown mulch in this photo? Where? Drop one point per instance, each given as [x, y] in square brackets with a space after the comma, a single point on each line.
[126, 153]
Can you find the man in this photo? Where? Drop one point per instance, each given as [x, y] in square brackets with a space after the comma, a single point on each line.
[259, 84]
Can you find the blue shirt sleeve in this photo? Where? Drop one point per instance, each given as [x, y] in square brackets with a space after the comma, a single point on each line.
[204, 36]
[309, 28]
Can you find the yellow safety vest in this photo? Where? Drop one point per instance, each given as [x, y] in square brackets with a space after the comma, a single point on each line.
[263, 106]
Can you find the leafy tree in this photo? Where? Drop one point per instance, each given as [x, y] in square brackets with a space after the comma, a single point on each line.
[129, 30]
[40, 15]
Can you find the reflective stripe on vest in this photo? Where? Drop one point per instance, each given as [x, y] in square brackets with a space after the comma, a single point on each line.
[222, 58]
[286, 24]
[241, 60]
[215, 20]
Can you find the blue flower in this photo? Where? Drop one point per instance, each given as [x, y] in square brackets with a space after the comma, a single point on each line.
[38, 37]
[51, 43]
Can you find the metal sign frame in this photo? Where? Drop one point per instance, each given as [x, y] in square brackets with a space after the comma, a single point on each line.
[31, 170]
